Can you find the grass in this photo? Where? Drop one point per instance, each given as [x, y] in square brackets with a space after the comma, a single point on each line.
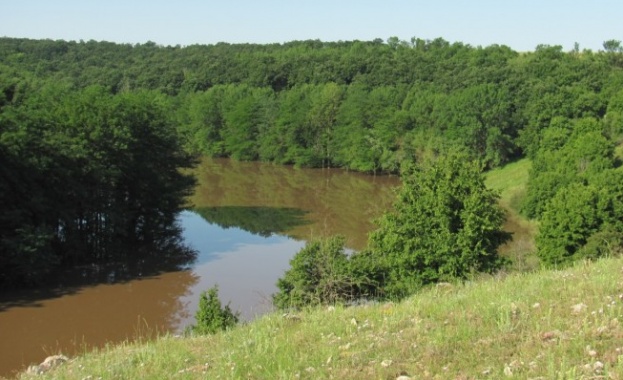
[545, 324]
[510, 182]
[510, 179]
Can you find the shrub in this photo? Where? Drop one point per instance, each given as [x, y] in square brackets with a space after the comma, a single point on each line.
[211, 317]
[570, 217]
[318, 274]
[445, 224]
[607, 242]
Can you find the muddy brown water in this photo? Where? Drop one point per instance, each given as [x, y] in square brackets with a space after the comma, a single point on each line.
[246, 222]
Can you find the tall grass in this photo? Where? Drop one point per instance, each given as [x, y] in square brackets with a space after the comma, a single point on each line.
[511, 181]
[545, 324]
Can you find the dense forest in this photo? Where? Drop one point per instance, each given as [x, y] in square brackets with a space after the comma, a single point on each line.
[91, 131]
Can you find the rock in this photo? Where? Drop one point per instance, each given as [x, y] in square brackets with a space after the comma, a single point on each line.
[549, 335]
[386, 363]
[592, 353]
[508, 371]
[576, 309]
[49, 363]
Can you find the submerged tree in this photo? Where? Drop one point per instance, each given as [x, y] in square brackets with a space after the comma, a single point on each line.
[86, 176]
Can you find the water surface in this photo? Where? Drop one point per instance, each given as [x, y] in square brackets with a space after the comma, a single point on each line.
[246, 222]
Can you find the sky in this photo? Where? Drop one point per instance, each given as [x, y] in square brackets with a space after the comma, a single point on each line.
[519, 24]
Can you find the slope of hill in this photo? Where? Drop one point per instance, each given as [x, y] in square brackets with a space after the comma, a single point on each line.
[544, 324]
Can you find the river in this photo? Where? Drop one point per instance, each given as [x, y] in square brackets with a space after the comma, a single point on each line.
[246, 220]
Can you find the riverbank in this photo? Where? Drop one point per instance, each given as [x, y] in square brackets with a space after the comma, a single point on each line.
[544, 324]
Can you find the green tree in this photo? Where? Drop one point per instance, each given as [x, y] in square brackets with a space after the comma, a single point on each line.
[569, 219]
[583, 220]
[445, 224]
[318, 274]
[571, 153]
[613, 46]
[211, 317]
[87, 176]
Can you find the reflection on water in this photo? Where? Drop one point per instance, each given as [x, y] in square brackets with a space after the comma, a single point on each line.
[249, 220]
[333, 201]
[263, 221]
[245, 266]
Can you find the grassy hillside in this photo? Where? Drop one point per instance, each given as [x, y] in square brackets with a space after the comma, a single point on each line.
[510, 181]
[545, 324]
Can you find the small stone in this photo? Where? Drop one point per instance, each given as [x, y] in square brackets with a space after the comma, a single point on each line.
[403, 377]
[592, 353]
[386, 363]
[536, 305]
[578, 308]
[549, 335]
[598, 366]
[508, 371]
[49, 363]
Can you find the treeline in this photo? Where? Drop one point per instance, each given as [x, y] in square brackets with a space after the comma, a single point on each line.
[371, 106]
[367, 106]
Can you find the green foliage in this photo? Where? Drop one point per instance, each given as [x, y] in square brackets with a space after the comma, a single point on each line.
[89, 115]
[572, 154]
[318, 274]
[603, 243]
[445, 224]
[583, 220]
[86, 176]
[613, 46]
[211, 316]
[570, 217]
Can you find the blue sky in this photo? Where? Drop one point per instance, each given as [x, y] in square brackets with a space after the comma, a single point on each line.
[520, 24]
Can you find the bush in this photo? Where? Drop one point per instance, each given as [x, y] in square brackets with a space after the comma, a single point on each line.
[445, 225]
[319, 274]
[211, 317]
[608, 242]
[570, 217]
